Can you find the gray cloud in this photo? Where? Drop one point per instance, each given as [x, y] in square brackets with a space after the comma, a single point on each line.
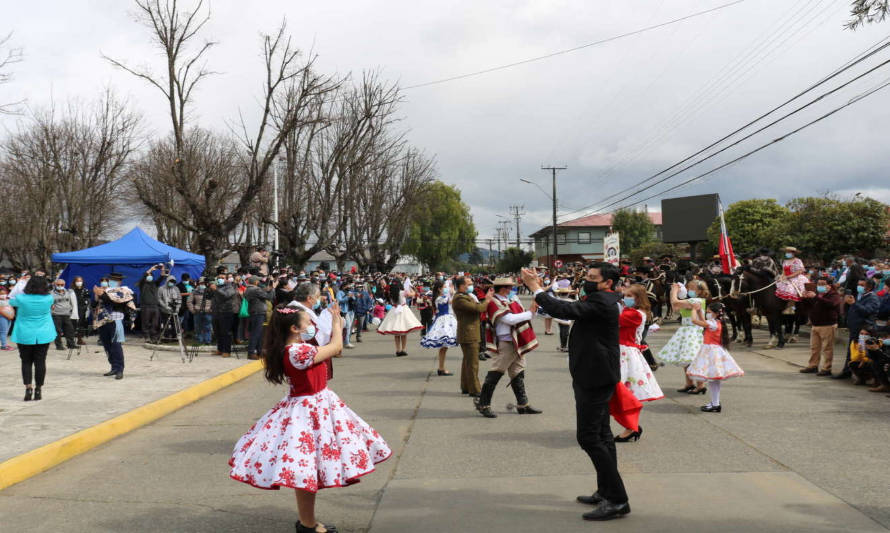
[592, 110]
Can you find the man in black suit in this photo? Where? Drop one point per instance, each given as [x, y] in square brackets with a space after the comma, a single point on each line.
[594, 366]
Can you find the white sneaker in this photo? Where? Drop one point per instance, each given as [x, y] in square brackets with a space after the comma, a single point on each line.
[350, 346]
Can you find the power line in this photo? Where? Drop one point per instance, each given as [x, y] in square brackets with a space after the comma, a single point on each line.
[724, 80]
[852, 101]
[871, 51]
[569, 50]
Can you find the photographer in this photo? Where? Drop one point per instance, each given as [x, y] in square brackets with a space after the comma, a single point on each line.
[260, 261]
[148, 302]
[257, 297]
[860, 315]
[878, 346]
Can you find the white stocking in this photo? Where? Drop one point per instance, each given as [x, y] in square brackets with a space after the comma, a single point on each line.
[715, 392]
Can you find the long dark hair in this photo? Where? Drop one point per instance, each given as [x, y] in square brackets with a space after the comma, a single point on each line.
[394, 288]
[719, 311]
[275, 340]
[38, 285]
[437, 290]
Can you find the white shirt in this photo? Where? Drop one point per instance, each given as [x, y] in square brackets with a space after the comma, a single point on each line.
[324, 323]
[504, 324]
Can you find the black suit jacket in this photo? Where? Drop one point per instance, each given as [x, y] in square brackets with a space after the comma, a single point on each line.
[593, 343]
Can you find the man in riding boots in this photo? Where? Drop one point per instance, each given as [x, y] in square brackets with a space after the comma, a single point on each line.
[511, 325]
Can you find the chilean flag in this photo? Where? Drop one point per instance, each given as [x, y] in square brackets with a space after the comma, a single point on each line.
[727, 257]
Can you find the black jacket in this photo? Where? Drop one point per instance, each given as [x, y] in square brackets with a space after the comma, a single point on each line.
[593, 343]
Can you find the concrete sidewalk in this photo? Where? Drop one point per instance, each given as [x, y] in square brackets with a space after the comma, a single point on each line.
[76, 395]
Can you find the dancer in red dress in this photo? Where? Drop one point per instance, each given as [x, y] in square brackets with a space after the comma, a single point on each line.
[310, 440]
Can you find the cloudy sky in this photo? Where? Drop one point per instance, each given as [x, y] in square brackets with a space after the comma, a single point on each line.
[615, 113]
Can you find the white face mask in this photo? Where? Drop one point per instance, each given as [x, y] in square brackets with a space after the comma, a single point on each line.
[309, 334]
[78, 284]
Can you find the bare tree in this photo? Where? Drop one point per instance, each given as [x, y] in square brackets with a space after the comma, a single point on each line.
[867, 11]
[9, 55]
[66, 172]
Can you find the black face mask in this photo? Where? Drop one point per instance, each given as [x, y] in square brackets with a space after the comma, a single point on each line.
[590, 287]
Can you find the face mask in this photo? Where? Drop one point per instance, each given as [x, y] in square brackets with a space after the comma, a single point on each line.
[629, 301]
[78, 284]
[470, 289]
[886, 342]
[114, 284]
[788, 255]
[104, 284]
[149, 278]
[309, 334]
[590, 287]
[171, 283]
[60, 288]
[690, 294]
[822, 289]
[202, 287]
[446, 291]
[441, 278]
[317, 306]
[860, 289]
[220, 281]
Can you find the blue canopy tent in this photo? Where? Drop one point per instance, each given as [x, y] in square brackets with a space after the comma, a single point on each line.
[131, 255]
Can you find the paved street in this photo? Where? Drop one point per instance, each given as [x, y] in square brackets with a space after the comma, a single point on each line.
[790, 452]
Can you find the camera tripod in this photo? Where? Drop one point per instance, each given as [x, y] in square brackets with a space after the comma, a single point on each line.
[186, 354]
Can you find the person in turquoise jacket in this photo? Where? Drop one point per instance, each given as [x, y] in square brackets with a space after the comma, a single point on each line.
[33, 332]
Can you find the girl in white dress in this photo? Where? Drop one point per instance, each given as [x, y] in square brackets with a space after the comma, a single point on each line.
[635, 372]
[400, 321]
[713, 363]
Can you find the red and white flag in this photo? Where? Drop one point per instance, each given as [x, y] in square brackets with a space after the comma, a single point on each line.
[727, 257]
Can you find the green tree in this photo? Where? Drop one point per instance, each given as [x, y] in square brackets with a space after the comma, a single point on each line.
[753, 223]
[513, 259]
[827, 227]
[634, 228]
[654, 250]
[442, 228]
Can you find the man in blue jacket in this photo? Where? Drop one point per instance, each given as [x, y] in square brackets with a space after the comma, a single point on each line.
[860, 315]
[363, 305]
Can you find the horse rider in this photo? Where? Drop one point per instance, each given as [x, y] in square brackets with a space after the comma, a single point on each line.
[764, 265]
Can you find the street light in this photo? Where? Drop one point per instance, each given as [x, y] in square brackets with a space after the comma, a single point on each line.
[530, 182]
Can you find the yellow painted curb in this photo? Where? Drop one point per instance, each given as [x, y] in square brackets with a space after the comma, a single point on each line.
[22, 467]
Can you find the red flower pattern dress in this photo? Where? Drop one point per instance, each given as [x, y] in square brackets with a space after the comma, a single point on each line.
[635, 372]
[311, 440]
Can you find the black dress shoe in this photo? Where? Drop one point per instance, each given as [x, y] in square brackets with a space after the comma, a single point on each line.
[28, 392]
[110, 373]
[443, 373]
[472, 395]
[528, 410]
[595, 499]
[710, 408]
[687, 388]
[607, 510]
[486, 412]
[401, 354]
[119, 375]
[37, 394]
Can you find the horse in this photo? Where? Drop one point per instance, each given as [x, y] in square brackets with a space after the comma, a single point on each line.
[763, 293]
[722, 289]
[655, 289]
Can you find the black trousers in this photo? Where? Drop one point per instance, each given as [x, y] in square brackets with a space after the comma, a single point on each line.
[224, 322]
[255, 342]
[595, 438]
[113, 350]
[33, 355]
[64, 329]
[360, 321]
[564, 335]
[151, 321]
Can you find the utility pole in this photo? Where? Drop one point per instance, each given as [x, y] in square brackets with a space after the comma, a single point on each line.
[505, 232]
[490, 242]
[555, 248]
[517, 211]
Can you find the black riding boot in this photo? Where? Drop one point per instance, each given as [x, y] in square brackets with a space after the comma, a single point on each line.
[522, 406]
[483, 404]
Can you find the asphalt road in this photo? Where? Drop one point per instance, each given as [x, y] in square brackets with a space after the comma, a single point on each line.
[790, 452]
